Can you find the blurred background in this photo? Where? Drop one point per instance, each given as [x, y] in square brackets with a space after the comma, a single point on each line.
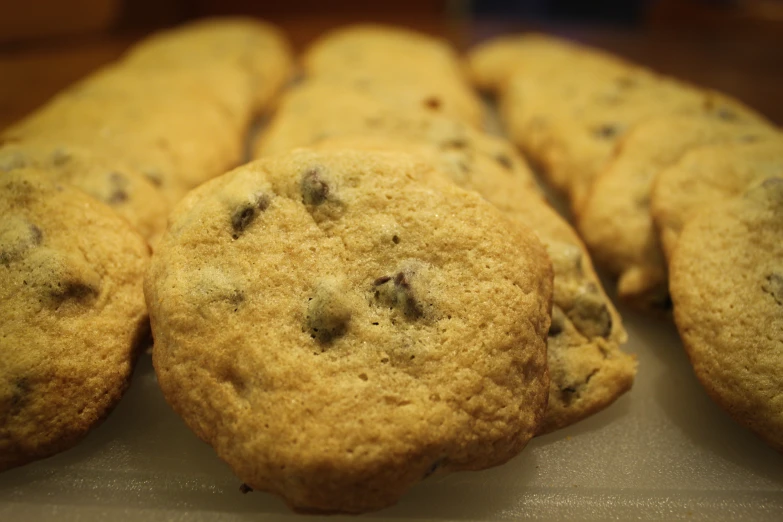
[731, 45]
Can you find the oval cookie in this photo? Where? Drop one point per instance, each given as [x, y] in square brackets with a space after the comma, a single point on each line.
[727, 288]
[72, 314]
[339, 325]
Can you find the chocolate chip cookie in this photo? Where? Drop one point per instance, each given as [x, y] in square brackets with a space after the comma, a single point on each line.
[72, 314]
[587, 368]
[122, 188]
[341, 324]
[707, 175]
[616, 222]
[727, 288]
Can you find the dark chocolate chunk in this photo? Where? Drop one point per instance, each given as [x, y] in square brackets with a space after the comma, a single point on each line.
[246, 214]
[432, 103]
[118, 183]
[607, 131]
[773, 285]
[504, 161]
[315, 190]
[590, 314]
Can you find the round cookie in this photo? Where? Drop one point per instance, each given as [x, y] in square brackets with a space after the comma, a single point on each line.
[126, 191]
[588, 370]
[339, 325]
[256, 49]
[72, 314]
[616, 222]
[707, 175]
[727, 287]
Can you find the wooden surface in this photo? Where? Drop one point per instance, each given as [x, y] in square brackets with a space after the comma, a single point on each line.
[742, 65]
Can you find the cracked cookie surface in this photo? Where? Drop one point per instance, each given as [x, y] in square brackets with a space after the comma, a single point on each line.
[72, 314]
[727, 288]
[370, 324]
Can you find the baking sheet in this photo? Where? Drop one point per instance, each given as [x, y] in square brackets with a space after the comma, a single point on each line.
[664, 451]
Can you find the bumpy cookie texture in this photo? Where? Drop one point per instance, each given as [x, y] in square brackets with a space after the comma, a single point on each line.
[727, 288]
[72, 314]
[588, 371]
[707, 175]
[303, 119]
[368, 325]
[616, 221]
[568, 120]
[122, 188]
[256, 49]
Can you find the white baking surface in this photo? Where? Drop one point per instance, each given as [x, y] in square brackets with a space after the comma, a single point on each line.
[664, 451]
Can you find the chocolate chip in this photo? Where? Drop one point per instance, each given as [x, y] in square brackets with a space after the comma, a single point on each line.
[20, 393]
[244, 489]
[60, 157]
[72, 290]
[558, 322]
[154, 177]
[590, 314]
[315, 190]
[606, 131]
[247, 212]
[432, 103]
[727, 115]
[399, 295]
[118, 183]
[773, 285]
[567, 395]
[504, 161]
[381, 280]
[433, 468]
[328, 312]
[456, 143]
[36, 235]
[626, 82]
[17, 239]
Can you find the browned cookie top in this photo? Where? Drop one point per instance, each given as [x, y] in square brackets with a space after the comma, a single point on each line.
[71, 312]
[339, 324]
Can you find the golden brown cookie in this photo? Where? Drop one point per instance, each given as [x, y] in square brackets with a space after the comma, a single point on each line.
[256, 49]
[72, 314]
[727, 288]
[122, 188]
[339, 325]
[616, 222]
[707, 175]
[303, 119]
[177, 139]
[588, 370]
